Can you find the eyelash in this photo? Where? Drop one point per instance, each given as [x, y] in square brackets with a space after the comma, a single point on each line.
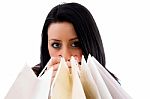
[75, 44]
[56, 45]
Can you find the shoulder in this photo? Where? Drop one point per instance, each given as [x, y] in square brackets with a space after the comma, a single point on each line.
[36, 69]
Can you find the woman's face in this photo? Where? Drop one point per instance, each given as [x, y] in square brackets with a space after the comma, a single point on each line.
[63, 41]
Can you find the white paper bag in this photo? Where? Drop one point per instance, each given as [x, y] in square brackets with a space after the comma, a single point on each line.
[28, 86]
[89, 86]
[103, 90]
[114, 87]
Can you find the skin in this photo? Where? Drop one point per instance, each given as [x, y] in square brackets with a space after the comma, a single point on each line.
[62, 42]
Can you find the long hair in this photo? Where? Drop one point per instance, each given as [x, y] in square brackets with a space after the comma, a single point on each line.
[85, 27]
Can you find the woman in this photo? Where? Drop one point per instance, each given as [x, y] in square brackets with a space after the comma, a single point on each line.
[70, 30]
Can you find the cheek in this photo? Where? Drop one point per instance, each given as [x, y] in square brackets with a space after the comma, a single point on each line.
[78, 53]
[52, 52]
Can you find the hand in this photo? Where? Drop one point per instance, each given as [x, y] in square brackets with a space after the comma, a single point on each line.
[55, 61]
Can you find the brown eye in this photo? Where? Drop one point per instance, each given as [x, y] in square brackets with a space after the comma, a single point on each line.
[75, 44]
[56, 45]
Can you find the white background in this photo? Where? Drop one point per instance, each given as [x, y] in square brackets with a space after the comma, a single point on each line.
[124, 26]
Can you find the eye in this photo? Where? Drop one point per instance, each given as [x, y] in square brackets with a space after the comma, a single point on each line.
[75, 44]
[56, 45]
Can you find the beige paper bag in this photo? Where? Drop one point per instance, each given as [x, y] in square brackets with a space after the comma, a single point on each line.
[89, 86]
[117, 92]
[77, 89]
[103, 90]
[62, 85]
[28, 86]
[66, 85]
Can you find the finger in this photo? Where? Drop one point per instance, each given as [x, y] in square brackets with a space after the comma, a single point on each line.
[55, 67]
[53, 76]
[53, 61]
[69, 66]
[78, 60]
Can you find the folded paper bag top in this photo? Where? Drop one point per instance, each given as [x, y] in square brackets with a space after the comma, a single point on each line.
[92, 81]
[62, 84]
[29, 86]
[89, 85]
[77, 88]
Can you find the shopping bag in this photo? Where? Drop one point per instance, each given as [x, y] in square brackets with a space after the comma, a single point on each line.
[89, 86]
[28, 86]
[61, 87]
[92, 81]
[116, 91]
[77, 88]
[103, 90]
[67, 85]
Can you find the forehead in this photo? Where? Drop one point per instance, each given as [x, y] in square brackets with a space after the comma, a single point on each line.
[61, 29]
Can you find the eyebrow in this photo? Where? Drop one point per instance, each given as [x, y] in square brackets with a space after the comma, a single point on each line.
[55, 40]
[75, 38]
